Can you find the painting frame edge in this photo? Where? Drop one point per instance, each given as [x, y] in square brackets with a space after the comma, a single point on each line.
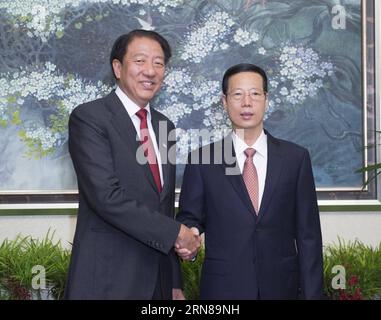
[66, 201]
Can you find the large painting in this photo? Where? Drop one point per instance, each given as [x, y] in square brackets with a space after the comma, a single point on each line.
[54, 56]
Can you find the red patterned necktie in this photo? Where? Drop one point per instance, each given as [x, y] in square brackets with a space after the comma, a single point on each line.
[250, 177]
[149, 151]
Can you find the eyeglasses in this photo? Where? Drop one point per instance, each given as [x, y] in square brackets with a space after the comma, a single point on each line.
[253, 94]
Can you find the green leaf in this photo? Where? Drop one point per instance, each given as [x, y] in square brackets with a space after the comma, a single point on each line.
[16, 118]
[59, 34]
[25, 18]
[3, 123]
[11, 99]
[22, 134]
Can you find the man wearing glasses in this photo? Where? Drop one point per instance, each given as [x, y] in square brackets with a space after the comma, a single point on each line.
[257, 207]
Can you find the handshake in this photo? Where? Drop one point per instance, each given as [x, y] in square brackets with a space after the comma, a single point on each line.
[188, 243]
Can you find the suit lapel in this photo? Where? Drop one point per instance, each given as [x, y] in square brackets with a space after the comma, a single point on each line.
[233, 172]
[274, 168]
[126, 129]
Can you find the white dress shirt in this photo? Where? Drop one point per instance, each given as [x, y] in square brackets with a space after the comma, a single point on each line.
[259, 159]
[132, 108]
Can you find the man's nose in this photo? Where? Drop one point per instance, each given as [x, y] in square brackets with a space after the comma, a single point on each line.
[149, 70]
[246, 101]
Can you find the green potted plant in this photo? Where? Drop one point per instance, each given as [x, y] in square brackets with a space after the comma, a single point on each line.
[192, 275]
[24, 259]
[362, 265]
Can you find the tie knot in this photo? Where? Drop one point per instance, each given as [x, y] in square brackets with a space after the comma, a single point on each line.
[142, 114]
[249, 152]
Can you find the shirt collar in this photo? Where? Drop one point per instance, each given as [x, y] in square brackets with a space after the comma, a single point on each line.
[260, 145]
[129, 105]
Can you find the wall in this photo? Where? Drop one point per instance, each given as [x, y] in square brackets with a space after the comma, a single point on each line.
[38, 226]
[350, 225]
[364, 226]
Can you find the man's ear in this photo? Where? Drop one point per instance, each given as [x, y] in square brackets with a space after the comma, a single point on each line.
[117, 67]
[224, 102]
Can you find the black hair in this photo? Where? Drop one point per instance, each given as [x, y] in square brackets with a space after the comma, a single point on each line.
[120, 45]
[243, 67]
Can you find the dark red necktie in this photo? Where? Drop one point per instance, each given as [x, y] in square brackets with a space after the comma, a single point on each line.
[149, 151]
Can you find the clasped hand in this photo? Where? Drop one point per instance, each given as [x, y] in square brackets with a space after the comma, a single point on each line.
[188, 242]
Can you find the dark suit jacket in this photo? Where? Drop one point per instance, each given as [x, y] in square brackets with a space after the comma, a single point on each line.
[124, 226]
[277, 255]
